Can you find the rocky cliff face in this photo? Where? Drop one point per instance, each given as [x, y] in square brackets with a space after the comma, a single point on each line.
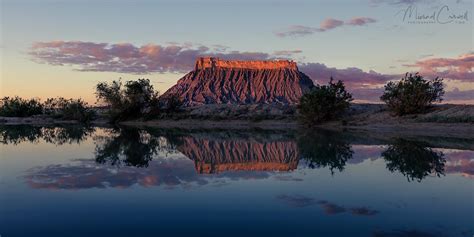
[215, 81]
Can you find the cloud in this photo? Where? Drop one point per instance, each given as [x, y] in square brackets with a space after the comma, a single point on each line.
[352, 76]
[457, 94]
[325, 25]
[330, 23]
[128, 58]
[360, 21]
[287, 52]
[459, 68]
[296, 30]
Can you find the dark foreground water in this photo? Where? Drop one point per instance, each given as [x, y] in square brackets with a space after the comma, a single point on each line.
[76, 181]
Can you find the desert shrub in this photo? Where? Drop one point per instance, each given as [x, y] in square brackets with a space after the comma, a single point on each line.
[19, 107]
[412, 94]
[68, 109]
[130, 100]
[172, 103]
[324, 102]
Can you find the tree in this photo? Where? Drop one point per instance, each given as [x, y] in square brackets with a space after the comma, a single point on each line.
[130, 100]
[412, 94]
[324, 103]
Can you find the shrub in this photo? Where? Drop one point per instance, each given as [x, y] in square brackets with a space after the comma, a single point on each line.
[18, 107]
[129, 101]
[324, 103]
[412, 94]
[68, 109]
[171, 103]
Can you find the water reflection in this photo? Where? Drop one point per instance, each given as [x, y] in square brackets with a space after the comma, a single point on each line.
[325, 149]
[169, 173]
[216, 152]
[127, 146]
[414, 159]
[216, 155]
[56, 135]
[329, 208]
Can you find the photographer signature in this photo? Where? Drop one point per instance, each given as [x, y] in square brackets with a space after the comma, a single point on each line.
[443, 15]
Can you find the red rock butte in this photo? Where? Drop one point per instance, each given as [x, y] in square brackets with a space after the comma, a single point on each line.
[216, 81]
[211, 62]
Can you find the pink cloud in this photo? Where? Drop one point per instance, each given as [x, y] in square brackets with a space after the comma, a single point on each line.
[128, 58]
[327, 24]
[330, 23]
[352, 76]
[360, 21]
[296, 30]
[459, 68]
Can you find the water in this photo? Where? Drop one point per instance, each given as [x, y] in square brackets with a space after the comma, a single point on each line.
[77, 181]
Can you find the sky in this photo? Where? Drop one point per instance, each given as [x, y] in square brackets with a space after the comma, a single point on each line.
[52, 48]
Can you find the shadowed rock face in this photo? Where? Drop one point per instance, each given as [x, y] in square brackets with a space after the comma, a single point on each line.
[213, 156]
[216, 81]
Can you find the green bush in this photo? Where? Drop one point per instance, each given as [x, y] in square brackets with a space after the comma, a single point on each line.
[130, 100]
[18, 107]
[324, 103]
[412, 94]
[68, 109]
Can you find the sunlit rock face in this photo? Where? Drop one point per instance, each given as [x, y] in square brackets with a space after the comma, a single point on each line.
[215, 81]
[215, 156]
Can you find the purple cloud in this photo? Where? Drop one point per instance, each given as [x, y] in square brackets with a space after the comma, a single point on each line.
[330, 23]
[457, 94]
[352, 76]
[327, 24]
[360, 21]
[459, 68]
[128, 58]
[296, 30]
